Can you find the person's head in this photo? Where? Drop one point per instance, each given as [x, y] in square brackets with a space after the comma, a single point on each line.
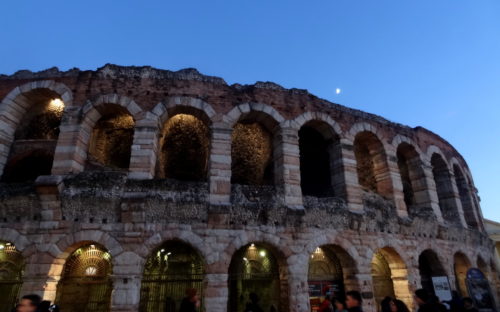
[191, 293]
[253, 297]
[385, 304]
[44, 306]
[353, 299]
[421, 296]
[339, 304]
[29, 303]
[397, 305]
[434, 299]
[468, 303]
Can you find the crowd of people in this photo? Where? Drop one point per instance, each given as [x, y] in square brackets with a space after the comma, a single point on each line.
[426, 302]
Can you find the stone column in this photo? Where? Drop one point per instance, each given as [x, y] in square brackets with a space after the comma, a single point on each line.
[5, 143]
[71, 150]
[144, 149]
[298, 266]
[420, 185]
[219, 169]
[366, 289]
[216, 292]
[397, 184]
[126, 292]
[41, 275]
[127, 274]
[287, 166]
[432, 192]
[48, 189]
[353, 193]
[458, 201]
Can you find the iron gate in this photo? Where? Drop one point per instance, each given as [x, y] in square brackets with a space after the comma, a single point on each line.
[169, 272]
[254, 270]
[85, 284]
[11, 272]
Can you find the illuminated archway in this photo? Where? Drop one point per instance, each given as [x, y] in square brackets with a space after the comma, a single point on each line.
[371, 164]
[255, 269]
[253, 144]
[429, 266]
[390, 276]
[184, 147]
[85, 284]
[11, 273]
[330, 269]
[170, 270]
[112, 136]
[35, 136]
[461, 265]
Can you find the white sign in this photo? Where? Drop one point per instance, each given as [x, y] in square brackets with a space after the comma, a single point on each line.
[442, 287]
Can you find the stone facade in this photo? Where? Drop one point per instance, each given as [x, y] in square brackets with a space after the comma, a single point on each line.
[132, 211]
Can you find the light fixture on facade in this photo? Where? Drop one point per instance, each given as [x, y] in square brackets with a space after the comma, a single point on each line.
[262, 253]
[56, 104]
[91, 271]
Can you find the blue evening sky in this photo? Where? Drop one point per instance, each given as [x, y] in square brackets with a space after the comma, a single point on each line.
[433, 63]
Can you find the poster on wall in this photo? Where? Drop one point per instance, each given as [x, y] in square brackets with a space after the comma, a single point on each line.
[479, 290]
[442, 287]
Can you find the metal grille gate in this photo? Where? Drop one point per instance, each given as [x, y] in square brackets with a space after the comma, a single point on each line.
[169, 272]
[11, 271]
[85, 284]
[254, 270]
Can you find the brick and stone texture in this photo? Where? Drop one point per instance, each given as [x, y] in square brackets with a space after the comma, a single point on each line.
[131, 212]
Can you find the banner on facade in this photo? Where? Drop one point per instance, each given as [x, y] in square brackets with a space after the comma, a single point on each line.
[479, 290]
[442, 287]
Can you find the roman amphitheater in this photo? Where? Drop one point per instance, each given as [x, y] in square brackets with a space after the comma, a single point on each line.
[122, 187]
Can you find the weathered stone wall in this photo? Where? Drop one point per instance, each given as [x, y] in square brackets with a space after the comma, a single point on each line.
[130, 212]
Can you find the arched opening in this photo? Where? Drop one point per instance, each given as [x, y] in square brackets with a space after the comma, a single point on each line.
[371, 164]
[461, 266]
[465, 197]
[112, 137]
[483, 267]
[255, 268]
[412, 175]
[85, 283]
[11, 274]
[184, 149]
[444, 189]
[170, 270]
[429, 266]
[252, 150]
[390, 277]
[42, 120]
[381, 277]
[331, 271]
[35, 137]
[28, 166]
[320, 161]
